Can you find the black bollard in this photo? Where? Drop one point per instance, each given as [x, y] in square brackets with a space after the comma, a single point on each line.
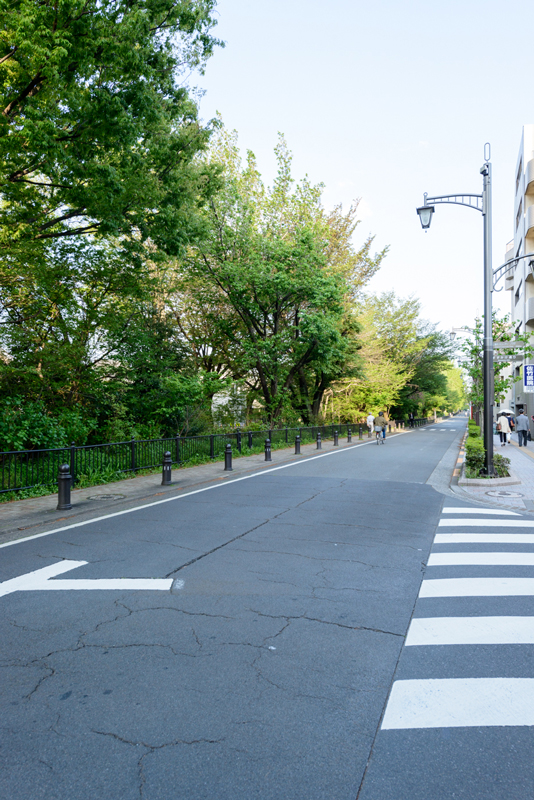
[319, 444]
[268, 450]
[63, 488]
[228, 458]
[336, 439]
[297, 445]
[349, 434]
[166, 474]
[389, 428]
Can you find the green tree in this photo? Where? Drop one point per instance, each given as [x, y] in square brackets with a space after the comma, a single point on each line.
[265, 297]
[97, 133]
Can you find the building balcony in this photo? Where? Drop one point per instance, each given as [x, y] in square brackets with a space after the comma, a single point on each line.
[529, 177]
[529, 310]
[529, 221]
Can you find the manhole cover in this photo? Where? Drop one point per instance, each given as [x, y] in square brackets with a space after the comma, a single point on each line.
[496, 493]
[106, 497]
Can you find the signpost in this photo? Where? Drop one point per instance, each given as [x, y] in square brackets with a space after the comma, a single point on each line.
[528, 378]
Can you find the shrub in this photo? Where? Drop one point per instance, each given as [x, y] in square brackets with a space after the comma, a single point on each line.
[501, 464]
[473, 429]
[474, 453]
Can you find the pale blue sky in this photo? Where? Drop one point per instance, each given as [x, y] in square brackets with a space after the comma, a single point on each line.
[382, 101]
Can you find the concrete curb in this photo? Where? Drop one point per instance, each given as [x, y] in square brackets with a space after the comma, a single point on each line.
[512, 480]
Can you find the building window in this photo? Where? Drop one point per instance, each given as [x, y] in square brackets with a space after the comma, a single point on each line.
[519, 213]
[518, 292]
[518, 178]
[518, 251]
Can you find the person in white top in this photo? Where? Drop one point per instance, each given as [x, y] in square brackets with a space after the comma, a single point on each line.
[503, 427]
[370, 421]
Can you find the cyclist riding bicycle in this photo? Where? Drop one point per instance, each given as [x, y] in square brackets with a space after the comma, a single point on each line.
[381, 422]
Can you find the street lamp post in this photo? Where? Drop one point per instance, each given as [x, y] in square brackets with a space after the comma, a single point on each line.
[482, 203]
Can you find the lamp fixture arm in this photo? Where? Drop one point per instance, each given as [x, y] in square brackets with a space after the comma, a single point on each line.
[508, 266]
[470, 200]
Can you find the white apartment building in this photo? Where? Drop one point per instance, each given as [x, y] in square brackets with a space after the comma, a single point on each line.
[520, 282]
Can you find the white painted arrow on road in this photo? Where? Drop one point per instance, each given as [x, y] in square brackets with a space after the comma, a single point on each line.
[39, 581]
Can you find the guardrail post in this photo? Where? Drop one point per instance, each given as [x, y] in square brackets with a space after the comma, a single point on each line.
[239, 441]
[286, 434]
[63, 488]
[268, 449]
[297, 445]
[349, 434]
[132, 448]
[336, 439]
[228, 458]
[319, 443]
[250, 440]
[177, 440]
[212, 446]
[166, 474]
[72, 463]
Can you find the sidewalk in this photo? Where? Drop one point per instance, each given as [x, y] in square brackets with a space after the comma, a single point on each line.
[519, 497]
[20, 518]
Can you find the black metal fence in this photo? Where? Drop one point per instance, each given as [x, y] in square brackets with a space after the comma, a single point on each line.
[27, 469]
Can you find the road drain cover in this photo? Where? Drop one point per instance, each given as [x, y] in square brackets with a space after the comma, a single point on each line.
[496, 493]
[107, 497]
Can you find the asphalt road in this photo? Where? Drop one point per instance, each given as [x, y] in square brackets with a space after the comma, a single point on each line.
[257, 659]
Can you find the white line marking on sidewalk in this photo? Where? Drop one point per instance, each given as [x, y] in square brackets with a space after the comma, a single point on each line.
[484, 538]
[195, 491]
[458, 703]
[500, 511]
[486, 523]
[481, 559]
[477, 587]
[470, 630]
[39, 581]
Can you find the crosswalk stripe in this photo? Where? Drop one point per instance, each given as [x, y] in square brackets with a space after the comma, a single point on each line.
[470, 630]
[484, 538]
[498, 511]
[477, 587]
[486, 523]
[460, 702]
[481, 559]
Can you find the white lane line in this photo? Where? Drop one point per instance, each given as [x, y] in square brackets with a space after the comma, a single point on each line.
[39, 580]
[459, 703]
[477, 587]
[486, 523]
[196, 491]
[470, 630]
[481, 559]
[484, 538]
[500, 511]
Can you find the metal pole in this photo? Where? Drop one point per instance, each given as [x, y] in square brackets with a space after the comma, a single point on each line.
[268, 450]
[166, 475]
[63, 484]
[297, 445]
[336, 439]
[228, 458]
[488, 323]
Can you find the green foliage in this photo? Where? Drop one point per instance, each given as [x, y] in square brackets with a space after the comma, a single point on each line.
[501, 464]
[474, 453]
[98, 133]
[26, 425]
[473, 429]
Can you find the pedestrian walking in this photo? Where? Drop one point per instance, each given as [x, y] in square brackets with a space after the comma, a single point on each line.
[370, 421]
[511, 423]
[410, 419]
[503, 428]
[522, 429]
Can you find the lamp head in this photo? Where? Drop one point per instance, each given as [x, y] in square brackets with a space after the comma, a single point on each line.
[425, 215]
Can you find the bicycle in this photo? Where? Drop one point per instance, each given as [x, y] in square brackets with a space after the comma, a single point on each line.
[378, 433]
